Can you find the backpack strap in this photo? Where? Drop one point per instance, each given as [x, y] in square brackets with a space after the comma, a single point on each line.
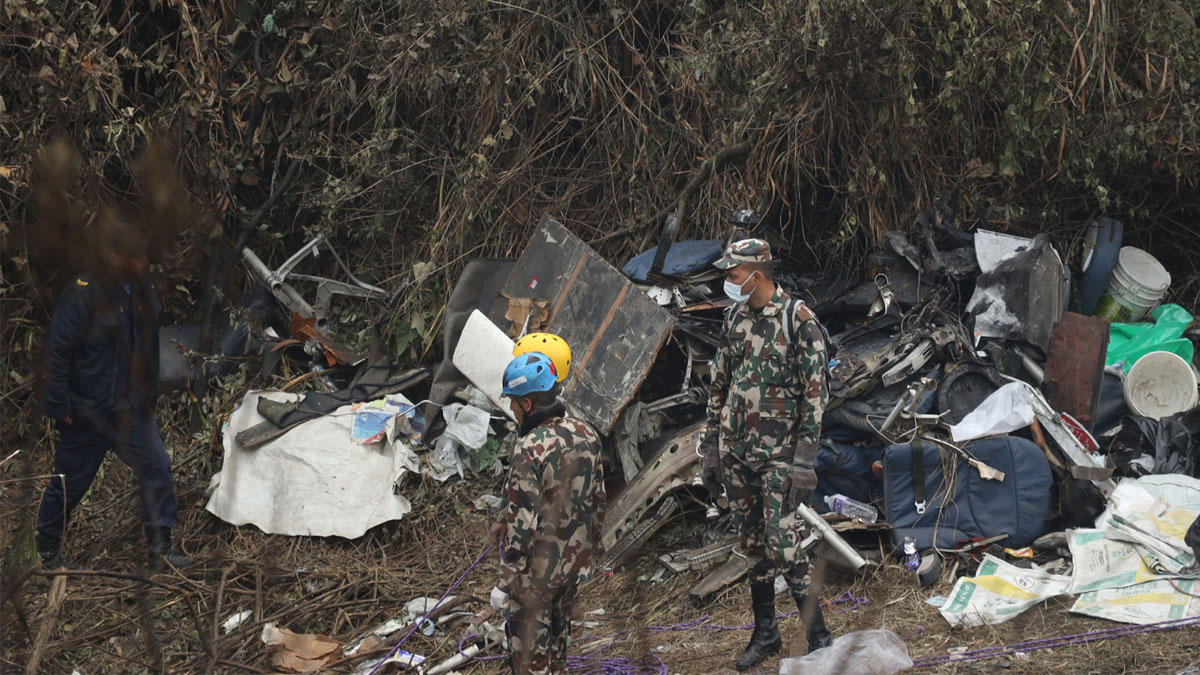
[918, 476]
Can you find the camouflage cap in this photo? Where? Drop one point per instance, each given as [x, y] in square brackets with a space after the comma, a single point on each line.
[744, 251]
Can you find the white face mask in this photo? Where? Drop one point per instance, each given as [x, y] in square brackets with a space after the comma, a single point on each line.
[737, 293]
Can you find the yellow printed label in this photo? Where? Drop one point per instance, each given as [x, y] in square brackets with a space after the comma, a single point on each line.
[1004, 588]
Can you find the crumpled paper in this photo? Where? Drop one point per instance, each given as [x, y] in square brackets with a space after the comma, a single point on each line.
[294, 653]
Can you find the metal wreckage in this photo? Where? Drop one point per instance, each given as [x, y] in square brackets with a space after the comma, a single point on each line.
[989, 406]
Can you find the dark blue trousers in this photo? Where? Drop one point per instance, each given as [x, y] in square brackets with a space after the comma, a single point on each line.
[82, 446]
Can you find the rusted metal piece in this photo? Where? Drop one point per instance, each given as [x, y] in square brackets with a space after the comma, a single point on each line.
[1075, 367]
[672, 467]
[304, 330]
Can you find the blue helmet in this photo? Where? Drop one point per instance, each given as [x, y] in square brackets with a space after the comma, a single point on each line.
[528, 373]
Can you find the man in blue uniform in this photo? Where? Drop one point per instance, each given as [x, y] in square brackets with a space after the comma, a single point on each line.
[101, 355]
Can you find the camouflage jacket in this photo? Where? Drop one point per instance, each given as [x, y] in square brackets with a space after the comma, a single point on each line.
[555, 502]
[765, 405]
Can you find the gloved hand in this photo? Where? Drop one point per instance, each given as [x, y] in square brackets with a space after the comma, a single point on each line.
[710, 463]
[497, 532]
[499, 599]
[797, 495]
[802, 478]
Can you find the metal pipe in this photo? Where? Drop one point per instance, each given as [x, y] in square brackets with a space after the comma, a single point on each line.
[831, 536]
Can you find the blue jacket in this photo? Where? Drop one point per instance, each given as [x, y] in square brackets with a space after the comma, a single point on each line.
[83, 354]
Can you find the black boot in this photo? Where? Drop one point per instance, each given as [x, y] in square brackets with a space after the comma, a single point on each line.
[765, 641]
[50, 551]
[818, 633]
[158, 541]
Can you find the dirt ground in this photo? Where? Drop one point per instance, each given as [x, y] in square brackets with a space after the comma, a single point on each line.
[343, 589]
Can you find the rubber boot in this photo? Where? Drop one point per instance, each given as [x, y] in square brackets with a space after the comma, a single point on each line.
[818, 633]
[765, 641]
[158, 541]
[50, 551]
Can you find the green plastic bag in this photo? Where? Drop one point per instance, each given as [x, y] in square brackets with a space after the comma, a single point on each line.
[1128, 342]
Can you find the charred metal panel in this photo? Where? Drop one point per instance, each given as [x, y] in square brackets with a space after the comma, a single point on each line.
[614, 329]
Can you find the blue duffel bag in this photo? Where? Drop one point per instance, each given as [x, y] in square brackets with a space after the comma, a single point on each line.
[938, 513]
[845, 469]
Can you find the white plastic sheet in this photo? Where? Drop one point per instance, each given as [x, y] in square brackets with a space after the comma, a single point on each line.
[1007, 409]
[482, 354]
[863, 652]
[467, 424]
[314, 480]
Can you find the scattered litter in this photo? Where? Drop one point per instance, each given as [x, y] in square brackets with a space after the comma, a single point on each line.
[417, 608]
[862, 652]
[998, 592]
[487, 503]
[466, 424]
[295, 653]
[236, 620]
[373, 418]
[402, 658]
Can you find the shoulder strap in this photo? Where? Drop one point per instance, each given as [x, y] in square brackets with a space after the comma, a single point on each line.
[790, 321]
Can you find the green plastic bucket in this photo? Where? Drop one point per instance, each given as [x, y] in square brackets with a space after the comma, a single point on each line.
[1137, 285]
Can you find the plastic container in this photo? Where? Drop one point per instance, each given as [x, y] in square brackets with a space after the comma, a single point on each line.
[912, 557]
[851, 508]
[1159, 385]
[1137, 285]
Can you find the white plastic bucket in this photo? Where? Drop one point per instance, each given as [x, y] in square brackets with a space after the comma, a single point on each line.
[1137, 285]
[1159, 385]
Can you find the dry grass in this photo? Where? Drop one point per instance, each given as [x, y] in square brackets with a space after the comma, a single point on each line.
[341, 588]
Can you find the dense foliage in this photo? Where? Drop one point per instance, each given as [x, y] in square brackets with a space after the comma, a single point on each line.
[426, 133]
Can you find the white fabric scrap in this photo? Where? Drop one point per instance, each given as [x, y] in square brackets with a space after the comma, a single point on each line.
[467, 424]
[312, 481]
[1007, 409]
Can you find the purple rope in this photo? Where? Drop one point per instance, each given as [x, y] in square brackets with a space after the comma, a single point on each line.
[1048, 643]
[430, 610]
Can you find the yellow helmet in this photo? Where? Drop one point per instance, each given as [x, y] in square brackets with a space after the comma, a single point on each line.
[552, 346]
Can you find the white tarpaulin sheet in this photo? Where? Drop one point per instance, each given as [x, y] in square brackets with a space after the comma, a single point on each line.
[998, 592]
[315, 480]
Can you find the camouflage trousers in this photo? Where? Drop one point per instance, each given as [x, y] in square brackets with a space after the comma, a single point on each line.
[769, 536]
[539, 629]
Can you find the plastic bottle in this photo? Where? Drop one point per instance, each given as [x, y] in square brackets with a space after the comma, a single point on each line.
[912, 557]
[851, 508]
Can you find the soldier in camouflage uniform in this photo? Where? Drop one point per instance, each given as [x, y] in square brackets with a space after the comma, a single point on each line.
[555, 501]
[764, 419]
